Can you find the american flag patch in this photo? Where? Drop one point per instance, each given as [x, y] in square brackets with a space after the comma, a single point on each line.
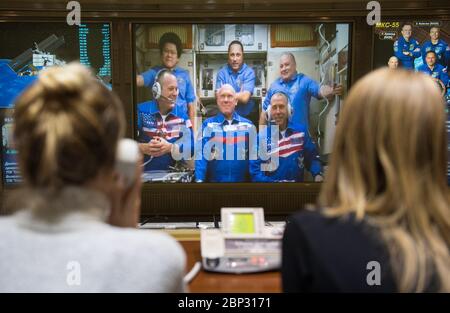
[153, 126]
[289, 145]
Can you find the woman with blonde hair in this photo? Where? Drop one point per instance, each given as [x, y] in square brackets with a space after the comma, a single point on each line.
[384, 223]
[75, 233]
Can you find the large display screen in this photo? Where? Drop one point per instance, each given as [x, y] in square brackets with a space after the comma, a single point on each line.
[287, 83]
[419, 45]
[26, 49]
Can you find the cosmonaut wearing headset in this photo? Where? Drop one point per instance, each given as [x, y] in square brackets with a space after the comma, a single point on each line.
[287, 140]
[164, 129]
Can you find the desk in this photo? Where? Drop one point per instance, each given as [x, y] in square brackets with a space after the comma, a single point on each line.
[215, 282]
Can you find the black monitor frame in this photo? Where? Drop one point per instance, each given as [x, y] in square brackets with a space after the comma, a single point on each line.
[191, 201]
[182, 202]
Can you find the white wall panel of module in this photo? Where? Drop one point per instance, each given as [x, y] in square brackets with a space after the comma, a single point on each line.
[217, 37]
[339, 77]
[342, 36]
[335, 73]
[258, 65]
[207, 77]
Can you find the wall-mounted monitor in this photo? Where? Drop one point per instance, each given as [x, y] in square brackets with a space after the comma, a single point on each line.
[29, 47]
[303, 61]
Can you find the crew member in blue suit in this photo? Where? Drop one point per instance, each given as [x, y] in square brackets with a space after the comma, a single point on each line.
[170, 49]
[241, 77]
[300, 89]
[164, 130]
[393, 63]
[227, 142]
[434, 69]
[284, 147]
[437, 45]
[406, 48]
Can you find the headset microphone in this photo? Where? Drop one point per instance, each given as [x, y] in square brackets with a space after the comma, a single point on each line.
[167, 98]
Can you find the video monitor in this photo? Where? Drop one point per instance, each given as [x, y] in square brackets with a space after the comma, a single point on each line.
[287, 84]
[418, 45]
[26, 49]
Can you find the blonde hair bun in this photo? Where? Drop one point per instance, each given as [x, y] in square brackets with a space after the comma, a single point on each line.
[69, 80]
[67, 125]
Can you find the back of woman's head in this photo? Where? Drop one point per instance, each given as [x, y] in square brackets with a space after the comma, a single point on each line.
[389, 163]
[67, 126]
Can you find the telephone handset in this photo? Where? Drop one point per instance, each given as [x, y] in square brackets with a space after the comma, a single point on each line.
[243, 245]
[126, 158]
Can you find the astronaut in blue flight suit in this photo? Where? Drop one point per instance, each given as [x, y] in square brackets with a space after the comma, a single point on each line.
[434, 69]
[406, 48]
[284, 147]
[240, 76]
[226, 143]
[170, 48]
[164, 130]
[393, 63]
[439, 46]
[300, 89]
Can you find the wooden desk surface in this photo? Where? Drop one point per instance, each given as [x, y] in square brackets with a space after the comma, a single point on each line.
[214, 282]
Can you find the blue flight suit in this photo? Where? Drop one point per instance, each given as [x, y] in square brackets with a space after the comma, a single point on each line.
[294, 150]
[438, 72]
[300, 90]
[242, 80]
[412, 46]
[186, 92]
[176, 128]
[224, 150]
[441, 49]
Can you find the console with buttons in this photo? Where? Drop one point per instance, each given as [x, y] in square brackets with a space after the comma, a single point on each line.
[244, 244]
